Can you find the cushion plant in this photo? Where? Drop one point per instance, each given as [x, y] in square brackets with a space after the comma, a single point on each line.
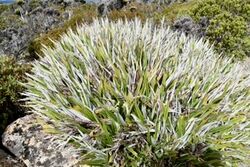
[133, 94]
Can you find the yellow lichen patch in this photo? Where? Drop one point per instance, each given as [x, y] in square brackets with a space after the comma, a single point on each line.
[48, 128]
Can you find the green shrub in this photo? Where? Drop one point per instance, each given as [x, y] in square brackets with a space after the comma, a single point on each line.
[11, 73]
[131, 94]
[229, 22]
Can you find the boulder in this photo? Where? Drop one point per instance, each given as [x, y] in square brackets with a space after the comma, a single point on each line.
[107, 6]
[187, 25]
[29, 140]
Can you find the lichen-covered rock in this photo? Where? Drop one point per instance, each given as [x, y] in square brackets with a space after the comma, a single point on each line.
[21, 23]
[187, 25]
[8, 161]
[108, 5]
[28, 140]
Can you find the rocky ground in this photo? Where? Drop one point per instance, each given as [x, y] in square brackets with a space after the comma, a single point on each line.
[21, 22]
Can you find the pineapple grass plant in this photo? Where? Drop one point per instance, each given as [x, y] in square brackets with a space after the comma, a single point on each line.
[132, 94]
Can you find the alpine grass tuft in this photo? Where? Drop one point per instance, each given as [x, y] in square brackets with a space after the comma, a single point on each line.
[133, 94]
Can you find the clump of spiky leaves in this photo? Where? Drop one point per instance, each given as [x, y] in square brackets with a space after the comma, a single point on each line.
[139, 95]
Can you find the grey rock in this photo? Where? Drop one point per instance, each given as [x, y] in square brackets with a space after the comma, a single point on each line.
[27, 140]
[13, 40]
[108, 5]
[174, 1]
[66, 15]
[33, 19]
[190, 27]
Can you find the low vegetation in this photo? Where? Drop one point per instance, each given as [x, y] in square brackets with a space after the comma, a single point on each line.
[11, 73]
[12, 19]
[80, 15]
[131, 94]
[228, 28]
[229, 25]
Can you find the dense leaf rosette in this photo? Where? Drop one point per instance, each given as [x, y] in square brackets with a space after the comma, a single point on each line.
[132, 94]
